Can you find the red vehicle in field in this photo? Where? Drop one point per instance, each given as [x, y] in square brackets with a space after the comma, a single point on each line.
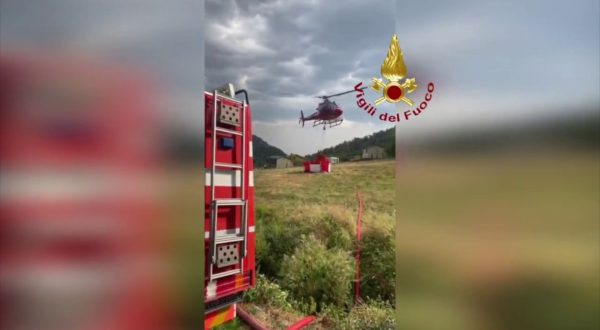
[321, 164]
[229, 204]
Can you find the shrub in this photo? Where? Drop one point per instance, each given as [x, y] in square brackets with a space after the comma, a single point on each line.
[335, 235]
[315, 276]
[377, 263]
[277, 236]
[331, 316]
[267, 293]
[375, 315]
[274, 240]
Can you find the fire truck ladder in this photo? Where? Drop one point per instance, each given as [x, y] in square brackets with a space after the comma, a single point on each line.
[237, 235]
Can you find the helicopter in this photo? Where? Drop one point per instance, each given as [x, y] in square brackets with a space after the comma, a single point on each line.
[328, 112]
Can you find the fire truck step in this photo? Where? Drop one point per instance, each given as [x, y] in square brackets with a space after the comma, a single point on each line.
[228, 131]
[220, 303]
[230, 202]
[228, 165]
[225, 274]
[231, 238]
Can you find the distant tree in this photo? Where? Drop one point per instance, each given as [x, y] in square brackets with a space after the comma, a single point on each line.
[347, 149]
[297, 160]
[263, 150]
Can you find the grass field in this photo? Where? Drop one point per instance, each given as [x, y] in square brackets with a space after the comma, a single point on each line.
[311, 195]
[324, 206]
[507, 241]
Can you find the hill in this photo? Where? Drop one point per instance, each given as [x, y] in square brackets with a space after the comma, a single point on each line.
[578, 131]
[262, 150]
[347, 149]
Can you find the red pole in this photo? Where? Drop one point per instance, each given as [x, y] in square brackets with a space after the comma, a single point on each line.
[358, 240]
[302, 323]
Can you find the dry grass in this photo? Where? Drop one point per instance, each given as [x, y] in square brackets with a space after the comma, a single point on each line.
[310, 196]
[276, 318]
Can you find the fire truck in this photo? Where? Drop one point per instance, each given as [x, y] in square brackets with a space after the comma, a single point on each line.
[229, 203]
[78, 212]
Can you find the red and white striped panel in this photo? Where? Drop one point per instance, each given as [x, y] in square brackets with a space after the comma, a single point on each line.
[228, 185]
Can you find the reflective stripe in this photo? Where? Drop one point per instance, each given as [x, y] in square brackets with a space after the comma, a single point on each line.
[220, 317]
[228, 178]
[211, 289]
[227, 232]
[224, 178]
[223, 232]
[239, 281]
[250, 146]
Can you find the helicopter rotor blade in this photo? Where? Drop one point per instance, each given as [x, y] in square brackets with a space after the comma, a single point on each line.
[338, 94]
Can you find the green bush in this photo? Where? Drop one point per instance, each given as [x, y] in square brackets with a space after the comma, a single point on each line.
[335, 235]
[316, 276]
[267, 293]
[375, 315]
[377, 265]
[274, 240]
[278, 236]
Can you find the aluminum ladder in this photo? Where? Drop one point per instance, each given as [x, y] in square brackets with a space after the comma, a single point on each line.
[241, 234]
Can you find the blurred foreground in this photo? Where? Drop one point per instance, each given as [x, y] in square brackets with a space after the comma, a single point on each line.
[87, 224]
[504, 240]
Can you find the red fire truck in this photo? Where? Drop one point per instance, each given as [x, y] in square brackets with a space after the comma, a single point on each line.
[229, 203]
[79, 243]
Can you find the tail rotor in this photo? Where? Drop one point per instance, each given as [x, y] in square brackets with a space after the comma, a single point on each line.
[301, 118]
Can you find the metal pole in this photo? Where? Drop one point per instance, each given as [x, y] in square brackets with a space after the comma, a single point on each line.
[245, 145]
[358, 243]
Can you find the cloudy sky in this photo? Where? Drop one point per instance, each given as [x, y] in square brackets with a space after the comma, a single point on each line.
[491, 63]
[286, 52]
[502, 63]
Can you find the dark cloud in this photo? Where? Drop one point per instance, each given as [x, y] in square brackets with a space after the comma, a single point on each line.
[295, 49]
[492, 61]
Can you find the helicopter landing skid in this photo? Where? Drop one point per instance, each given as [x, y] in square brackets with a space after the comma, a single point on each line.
[326, 123]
